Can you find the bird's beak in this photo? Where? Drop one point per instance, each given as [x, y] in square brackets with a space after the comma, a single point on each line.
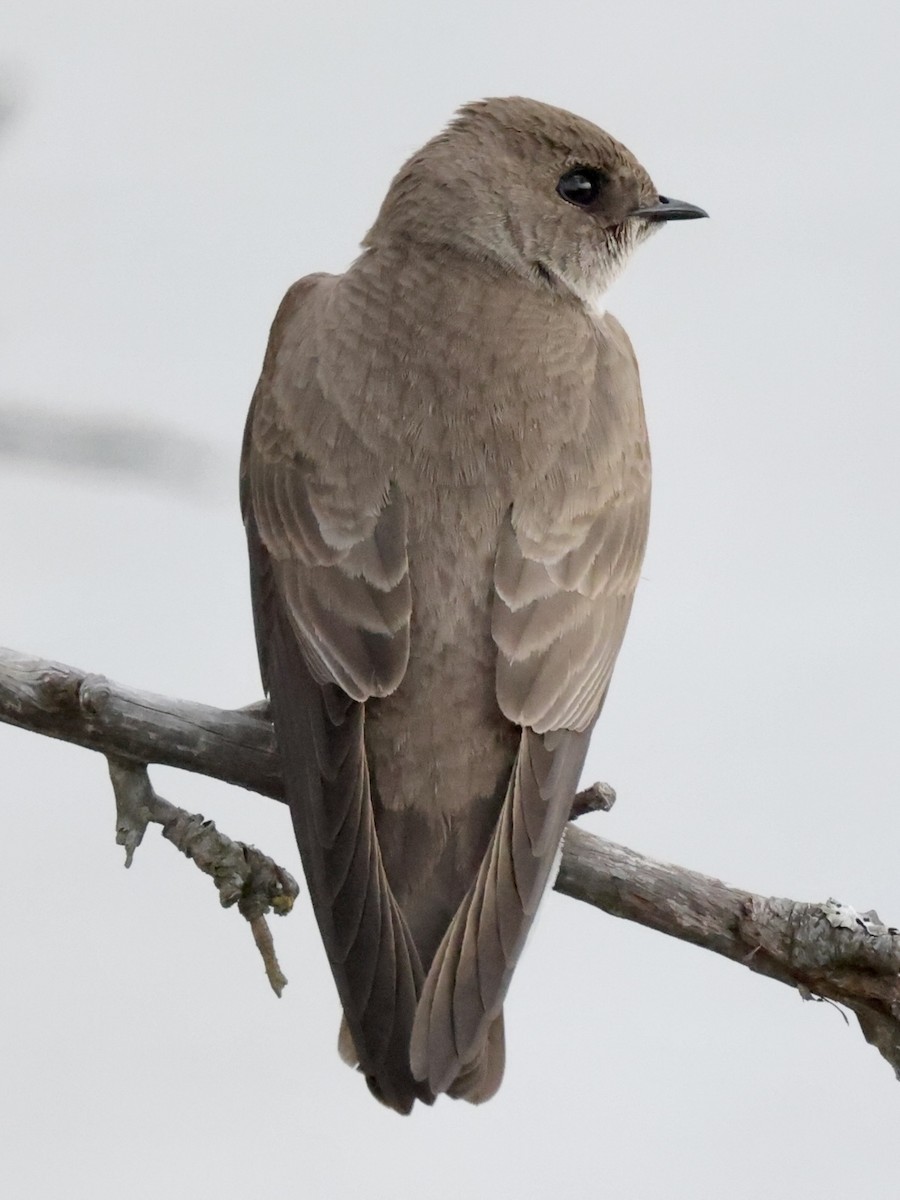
[669, 210]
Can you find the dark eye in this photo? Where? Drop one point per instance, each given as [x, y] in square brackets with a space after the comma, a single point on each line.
[581, 186]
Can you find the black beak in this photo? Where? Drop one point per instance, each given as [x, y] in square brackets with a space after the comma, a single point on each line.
[669, 210]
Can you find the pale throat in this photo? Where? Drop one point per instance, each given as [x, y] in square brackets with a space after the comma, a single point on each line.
[593, 298]
[592, 276]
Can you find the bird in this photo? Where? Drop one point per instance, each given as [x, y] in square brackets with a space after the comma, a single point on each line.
[445, 486]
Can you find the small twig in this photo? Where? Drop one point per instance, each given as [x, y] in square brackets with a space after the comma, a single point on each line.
[599, 797]
[242, 874]
[135, 803]
[263, 937]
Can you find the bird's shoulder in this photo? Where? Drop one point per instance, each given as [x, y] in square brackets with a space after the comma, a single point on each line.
[298, 304]
[292, 326]
[614, 341]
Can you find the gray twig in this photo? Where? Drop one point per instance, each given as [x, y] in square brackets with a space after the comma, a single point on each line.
[242, 874]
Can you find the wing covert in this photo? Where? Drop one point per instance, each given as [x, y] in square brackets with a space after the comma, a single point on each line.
[332, 525]
[569, 558]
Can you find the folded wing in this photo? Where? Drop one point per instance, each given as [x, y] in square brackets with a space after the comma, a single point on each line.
[566, 569]
[331, 602]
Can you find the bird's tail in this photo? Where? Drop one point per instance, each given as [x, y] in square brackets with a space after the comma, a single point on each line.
[457, 1037]
[476, 1082]
[479, 1080]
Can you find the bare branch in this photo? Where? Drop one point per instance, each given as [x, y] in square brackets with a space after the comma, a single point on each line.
[826, 951]
[62, 702]
[242, 874]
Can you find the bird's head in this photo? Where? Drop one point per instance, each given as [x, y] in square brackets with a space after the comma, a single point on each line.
[539, 190]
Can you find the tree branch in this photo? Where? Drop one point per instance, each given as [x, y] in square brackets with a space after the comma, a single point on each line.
[242, 874]
[826, 951]
[234, 745]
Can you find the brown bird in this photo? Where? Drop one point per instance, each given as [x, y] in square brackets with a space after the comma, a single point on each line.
[445, 484]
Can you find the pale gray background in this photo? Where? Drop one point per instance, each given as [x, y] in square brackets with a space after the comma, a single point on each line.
[169, 170]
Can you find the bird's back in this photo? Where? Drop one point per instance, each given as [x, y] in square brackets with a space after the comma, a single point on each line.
[492, 388]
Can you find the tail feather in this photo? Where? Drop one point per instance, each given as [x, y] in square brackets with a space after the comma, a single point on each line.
[465, 986]
[481, 1079]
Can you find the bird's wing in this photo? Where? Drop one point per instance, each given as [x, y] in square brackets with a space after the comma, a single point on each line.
[331, 602]
[565, 574]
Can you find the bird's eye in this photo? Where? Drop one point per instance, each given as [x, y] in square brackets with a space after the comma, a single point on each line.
[581, 186]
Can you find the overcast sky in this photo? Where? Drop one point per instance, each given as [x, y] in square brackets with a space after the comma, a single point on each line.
[168, 170]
